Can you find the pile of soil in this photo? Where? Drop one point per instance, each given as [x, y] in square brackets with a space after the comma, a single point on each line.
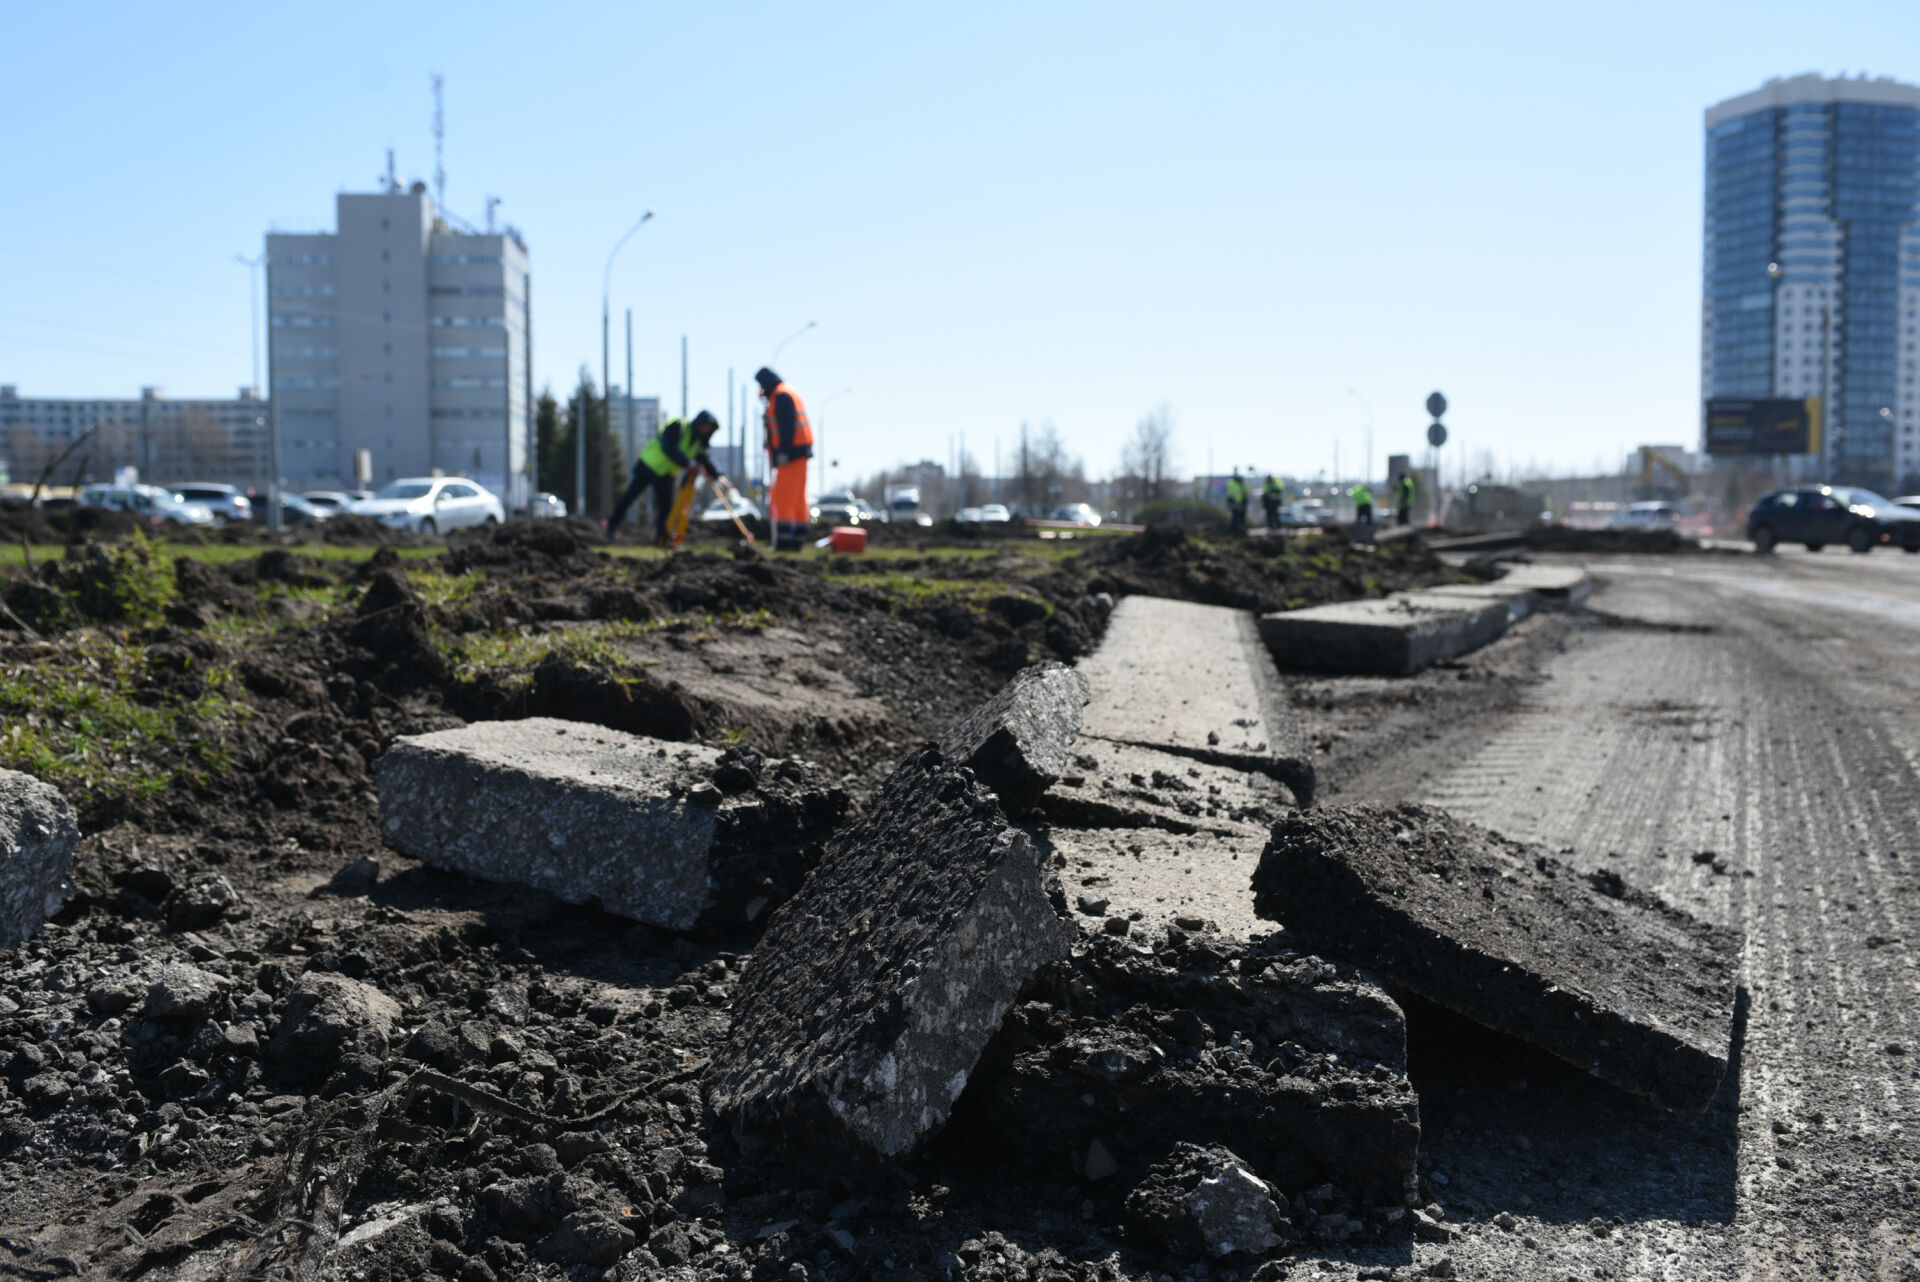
[1565, 538]
[1164, 560]
[253, 1031]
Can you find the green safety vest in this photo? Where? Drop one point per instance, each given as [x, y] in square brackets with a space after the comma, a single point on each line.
[1361, 494]
[654, 452]
[1236, 490]
[1406, 490]
[1273, 489]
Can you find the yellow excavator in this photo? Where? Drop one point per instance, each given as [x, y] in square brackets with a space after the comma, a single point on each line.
[1653, 467]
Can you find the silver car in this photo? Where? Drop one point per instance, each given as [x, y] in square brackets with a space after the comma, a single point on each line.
[226, 502]
[149, 503]
[432, 505]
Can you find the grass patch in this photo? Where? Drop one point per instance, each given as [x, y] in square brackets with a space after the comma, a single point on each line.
[223, 553]
[81, 716]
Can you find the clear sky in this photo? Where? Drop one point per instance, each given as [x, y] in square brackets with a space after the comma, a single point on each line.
[996, 213]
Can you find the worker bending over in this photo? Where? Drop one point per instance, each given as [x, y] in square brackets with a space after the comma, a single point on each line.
[1362, 504]
[789, 446]
[1272, 495]
[677, 446]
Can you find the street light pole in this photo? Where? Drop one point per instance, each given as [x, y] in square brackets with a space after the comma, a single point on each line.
[606, 324]
[1366, 473]
[273, 402]
[820, 418]
[782, 344]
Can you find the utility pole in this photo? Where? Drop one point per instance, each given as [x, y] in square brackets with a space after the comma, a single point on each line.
[631, 446]
[730, 440]
[606, 324]
[580, 445]
[146, 435]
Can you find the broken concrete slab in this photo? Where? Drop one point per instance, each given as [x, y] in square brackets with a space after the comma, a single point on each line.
[1114, 784]
[1298, 1063]
[1606, 977]
[1020, 742]
[672, 834]
[1195, 680]
[1155, 878]
[874, 990]
[1409, 632]
[1391, 636]
[37, 835]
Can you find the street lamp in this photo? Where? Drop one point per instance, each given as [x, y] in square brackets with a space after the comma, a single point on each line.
[580, 428]
[781, 346]
[1366, 473]
[273, 402]
[820, 417]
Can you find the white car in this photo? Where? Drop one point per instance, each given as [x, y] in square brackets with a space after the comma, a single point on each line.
[1645, 516]
[431, 505]
[149, 503]
[1078, 513]
[743, 507]
[995, 512]
[226, 502]
[548, 507]
[331, 500]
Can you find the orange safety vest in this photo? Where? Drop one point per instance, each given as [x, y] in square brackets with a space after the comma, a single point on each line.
[802, 430]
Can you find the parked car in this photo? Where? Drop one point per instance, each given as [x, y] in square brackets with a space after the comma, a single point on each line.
[1078, 513]
[1645, 516]
[1908, 500]
[431, 505]
[992, 513]
[331, 500]
[548, 507]
[1304, 512]
[1817, 515]
[149, 503]
[296, 509]
[226, 502]
[743, 507]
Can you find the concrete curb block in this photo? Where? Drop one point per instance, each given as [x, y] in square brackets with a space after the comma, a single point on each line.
[1408, 632]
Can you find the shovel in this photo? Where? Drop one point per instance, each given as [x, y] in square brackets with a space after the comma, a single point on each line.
[724, 491]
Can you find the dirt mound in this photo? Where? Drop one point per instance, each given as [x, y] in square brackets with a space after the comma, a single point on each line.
[523, 547]
[1264, 576]
[1565, 538]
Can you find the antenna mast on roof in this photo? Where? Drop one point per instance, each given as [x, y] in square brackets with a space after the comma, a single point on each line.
[439, 143]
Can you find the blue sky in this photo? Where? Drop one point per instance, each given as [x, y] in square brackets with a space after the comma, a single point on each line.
[995, 213]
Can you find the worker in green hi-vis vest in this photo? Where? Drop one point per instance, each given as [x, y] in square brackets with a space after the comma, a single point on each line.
[675, 446]
[1362, 504]
[1404, 499]
[1237, 502]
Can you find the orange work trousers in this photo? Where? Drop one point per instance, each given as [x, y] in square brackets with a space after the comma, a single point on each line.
[788, 502]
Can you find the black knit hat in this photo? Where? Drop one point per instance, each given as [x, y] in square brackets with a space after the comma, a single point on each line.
[704, 421]
[767, 379]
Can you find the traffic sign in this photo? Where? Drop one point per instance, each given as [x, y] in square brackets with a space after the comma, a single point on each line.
[1436, 432]
[1436, 406]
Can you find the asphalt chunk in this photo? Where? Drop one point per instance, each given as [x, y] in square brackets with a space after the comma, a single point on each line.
[1018, 742]
[875, 989]
[1586, 967]
[37, 835]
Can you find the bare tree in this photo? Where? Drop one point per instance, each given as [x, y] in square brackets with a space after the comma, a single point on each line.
[1148, 458]
[1045, 475]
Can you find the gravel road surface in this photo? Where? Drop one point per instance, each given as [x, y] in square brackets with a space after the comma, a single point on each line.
[1738, 734]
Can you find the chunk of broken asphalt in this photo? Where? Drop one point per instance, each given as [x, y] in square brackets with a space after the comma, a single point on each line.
[586, 813]
[1018, 743]
[1299, 1063]
[1205, 1201]
[37, 836]
[1607, 977]
[874, 990]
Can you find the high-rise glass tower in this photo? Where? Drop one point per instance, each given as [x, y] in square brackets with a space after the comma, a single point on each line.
[1813, 262]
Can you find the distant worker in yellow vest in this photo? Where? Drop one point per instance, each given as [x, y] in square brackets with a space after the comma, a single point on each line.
[1362, 504]
[1237, 502]
[789, 446]
[674, 448]
[1404, 498]
[1272, 495]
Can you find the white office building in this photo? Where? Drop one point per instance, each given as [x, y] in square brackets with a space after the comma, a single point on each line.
[164, 440]
[400, 343]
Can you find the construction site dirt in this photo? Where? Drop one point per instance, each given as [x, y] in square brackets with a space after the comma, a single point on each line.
[257, 1042]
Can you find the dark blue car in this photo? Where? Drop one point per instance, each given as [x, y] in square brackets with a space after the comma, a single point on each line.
[1817, 515]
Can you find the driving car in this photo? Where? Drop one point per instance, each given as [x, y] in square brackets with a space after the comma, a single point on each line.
[548, 507]
[149, 503]
[431, 505]
[1652, 515]
[1078, 513]
[841, 508]
[226, 502]
[1816, 515]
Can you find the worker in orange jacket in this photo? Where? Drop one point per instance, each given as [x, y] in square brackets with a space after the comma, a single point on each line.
[789, 446]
